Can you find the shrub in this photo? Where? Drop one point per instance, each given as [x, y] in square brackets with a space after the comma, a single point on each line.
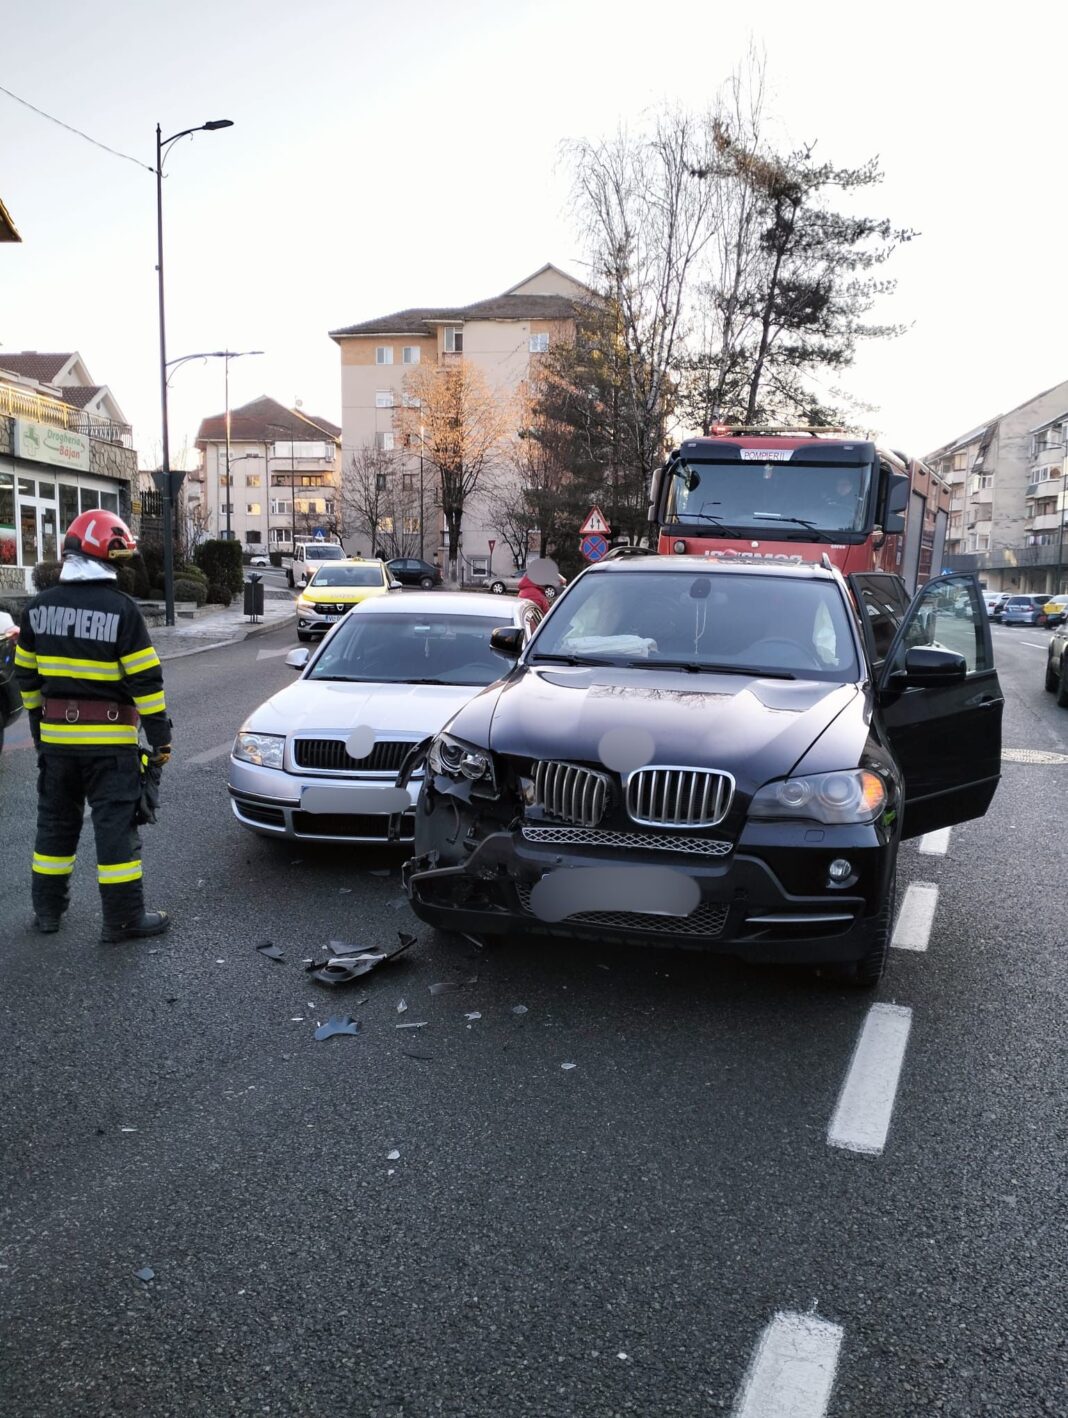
[125, 579]
[186, 590]
[219, 595]
[221, 563]
[142, 586]
[192, 573]
[46, 573]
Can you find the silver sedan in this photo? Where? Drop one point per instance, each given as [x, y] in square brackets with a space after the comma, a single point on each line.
[319, 760]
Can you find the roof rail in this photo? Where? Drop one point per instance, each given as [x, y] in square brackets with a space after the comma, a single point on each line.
[719, 429]
[826, 562]
[617, 553]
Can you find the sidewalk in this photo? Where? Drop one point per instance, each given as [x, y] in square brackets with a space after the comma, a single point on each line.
[225, 626]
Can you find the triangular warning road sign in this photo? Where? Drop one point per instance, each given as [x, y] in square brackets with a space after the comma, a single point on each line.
[595, 522]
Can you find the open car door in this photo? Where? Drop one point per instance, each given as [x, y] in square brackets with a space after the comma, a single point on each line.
[941, 705]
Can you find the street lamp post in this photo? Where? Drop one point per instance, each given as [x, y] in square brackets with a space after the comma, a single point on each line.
[168, 482]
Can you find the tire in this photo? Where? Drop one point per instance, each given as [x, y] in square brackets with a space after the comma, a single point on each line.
[1051, 678]
[427, 583]
[865, 973]
[1, 735]
[551, 593]
[1062, 683]
[497, 587]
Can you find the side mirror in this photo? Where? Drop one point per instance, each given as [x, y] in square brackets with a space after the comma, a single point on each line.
[897, 500]
[928, 668]
[507, 640]
[396, 585]
[297, 659]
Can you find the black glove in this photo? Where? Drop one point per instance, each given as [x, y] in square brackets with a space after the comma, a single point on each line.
[151, 776]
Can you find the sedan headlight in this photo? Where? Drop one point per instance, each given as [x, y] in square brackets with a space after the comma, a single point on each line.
[265, 750]
[854, 795]
[455, 759]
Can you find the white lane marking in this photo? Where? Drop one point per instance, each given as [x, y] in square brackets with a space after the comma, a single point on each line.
[1034, 644]
[273, 654]
[792, 1370]
[212, 753]
[935, 844]
[916, 917]
[861, 1118]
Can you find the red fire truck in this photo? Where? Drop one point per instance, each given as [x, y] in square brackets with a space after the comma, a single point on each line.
[791, 495]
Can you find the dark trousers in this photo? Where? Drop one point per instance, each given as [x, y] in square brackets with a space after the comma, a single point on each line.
[110, 782]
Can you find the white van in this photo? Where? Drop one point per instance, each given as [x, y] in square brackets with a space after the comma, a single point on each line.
[308, 556]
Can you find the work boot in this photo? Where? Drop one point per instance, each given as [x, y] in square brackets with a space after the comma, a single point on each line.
[48, 911]
[146, 924]
[47, 925]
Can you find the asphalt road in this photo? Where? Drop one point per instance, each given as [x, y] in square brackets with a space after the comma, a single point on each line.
[612, 1238]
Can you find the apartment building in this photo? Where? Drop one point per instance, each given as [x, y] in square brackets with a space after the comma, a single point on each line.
[280, 481]
[502, 335]
[65, 447]
[1007, 507]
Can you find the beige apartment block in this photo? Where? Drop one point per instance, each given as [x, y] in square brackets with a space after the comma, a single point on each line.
[1007, 506]
[284, 467]
[503, 336]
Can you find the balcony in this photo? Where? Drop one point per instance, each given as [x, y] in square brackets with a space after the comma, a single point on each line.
[1044, 522]
[24, 404]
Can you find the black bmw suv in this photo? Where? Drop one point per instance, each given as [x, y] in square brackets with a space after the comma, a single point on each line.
[718, 756]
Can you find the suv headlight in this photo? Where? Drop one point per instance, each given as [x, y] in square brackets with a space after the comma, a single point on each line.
[853, 795]
[455, 759]
[265, 750]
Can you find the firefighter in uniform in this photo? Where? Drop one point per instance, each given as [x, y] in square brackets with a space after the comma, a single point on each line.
[88, 673]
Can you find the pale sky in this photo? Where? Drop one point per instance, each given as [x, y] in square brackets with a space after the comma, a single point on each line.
[408, 154]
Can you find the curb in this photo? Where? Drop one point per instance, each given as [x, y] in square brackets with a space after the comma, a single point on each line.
[249, 633]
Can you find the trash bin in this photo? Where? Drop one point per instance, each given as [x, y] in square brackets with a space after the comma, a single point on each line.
[254, 597]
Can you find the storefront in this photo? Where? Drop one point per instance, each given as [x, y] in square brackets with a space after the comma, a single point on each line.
[44, 483]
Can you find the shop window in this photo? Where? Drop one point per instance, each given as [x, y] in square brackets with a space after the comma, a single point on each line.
[88, 497]
[109, 501]
[68, 504]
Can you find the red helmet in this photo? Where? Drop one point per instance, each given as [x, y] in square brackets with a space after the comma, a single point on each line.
[101, 535]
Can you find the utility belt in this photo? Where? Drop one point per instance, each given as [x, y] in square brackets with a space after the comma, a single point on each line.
[89, 711]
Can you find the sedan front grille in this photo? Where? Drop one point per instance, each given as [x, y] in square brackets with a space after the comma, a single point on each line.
[331, 756]
[571, 792]
[625, 841]
[679, 797]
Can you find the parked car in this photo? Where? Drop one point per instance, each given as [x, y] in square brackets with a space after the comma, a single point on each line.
[10, 698]
[1024, 610]
[411, 571]
[1002, 598]
[700, 754]
[1056, 609]
[301, 564]
[320, 759]
[1057, 665]
[498, 585]
[991, 600]
[334, 588]
[259, 558]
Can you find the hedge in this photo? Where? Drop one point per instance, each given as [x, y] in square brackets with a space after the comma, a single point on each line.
[46, 573]
[190, 591]
[219, 595]
[221, 563]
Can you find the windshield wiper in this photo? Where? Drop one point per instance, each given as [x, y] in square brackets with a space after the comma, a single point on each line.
[695, 667]
[375, 679]
[574, 660]
[709, 517]
[817, 532]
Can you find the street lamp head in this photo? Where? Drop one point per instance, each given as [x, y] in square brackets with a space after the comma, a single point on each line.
[218, 123]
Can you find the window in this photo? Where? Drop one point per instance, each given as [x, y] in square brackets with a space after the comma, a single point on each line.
[279, 479]
[384, 441]
[383, 354]
[254, 538]
[454, 339]
[279, 506]
[410, 354]
[328, 507]
[224, 480]
[539, 344]
[226, 507]
[885, 604]
[408, 482]
[384, 399]
[381, 482]
[411, 525]
[88, 497]
[68, 504]
[253, 509]
[253, 480]
[279, 534]
[410, 401]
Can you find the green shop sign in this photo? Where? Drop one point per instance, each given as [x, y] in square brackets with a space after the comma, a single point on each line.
[41, 443]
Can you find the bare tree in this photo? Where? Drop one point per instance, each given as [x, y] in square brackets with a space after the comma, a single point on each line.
[648, 222]
[461, 427]
[377, 498]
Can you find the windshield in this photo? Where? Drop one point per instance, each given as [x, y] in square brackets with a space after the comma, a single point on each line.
[412, 649]
[347, 576]
[832, 497]
[703, 620]
[327, 552]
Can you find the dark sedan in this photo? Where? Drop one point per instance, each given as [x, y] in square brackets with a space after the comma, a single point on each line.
[696, 754]
[1057, 665]
[411, 571]
[10, 698]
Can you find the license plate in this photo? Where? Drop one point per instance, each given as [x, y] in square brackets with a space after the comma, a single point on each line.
[330, 618]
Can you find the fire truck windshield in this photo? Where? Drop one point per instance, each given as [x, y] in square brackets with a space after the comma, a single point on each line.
[719, 497]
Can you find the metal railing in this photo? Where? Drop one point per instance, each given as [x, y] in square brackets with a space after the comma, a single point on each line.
[42, 408]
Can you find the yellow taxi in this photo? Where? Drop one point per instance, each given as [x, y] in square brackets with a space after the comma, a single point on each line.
[1055, 610]
[334, 589]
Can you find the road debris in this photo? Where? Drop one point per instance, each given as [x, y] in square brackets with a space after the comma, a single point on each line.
[421, 1025]
[444, 987]
[568, 1065]
[402, 1005]
[145, 1274]
[519, 1009]
[339, 1024]
[347, 962]
[473, 1015]
[409, 1054]
[272, 952]
[393, 1156]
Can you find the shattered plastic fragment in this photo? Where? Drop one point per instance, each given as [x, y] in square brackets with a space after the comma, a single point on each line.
[402, 1006]
[339, 1024]
[421, 1025]
[519, 1009]
[393, 1156]
[444, 987]
[473, 1015]
[347, 963]
[344, 891]
[272, 952]
[145, 1274]
[568, 1065]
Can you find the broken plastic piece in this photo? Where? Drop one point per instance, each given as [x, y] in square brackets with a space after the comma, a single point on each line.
[444, 987]
[519, 1009]
[339, 1024]
[145, 1274]
[473, 1015]
[393, 1156]
[409, 1054]
[421, 1025]
[568, 1065]
[272, 952]
[348, 963]
[402, 1005]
